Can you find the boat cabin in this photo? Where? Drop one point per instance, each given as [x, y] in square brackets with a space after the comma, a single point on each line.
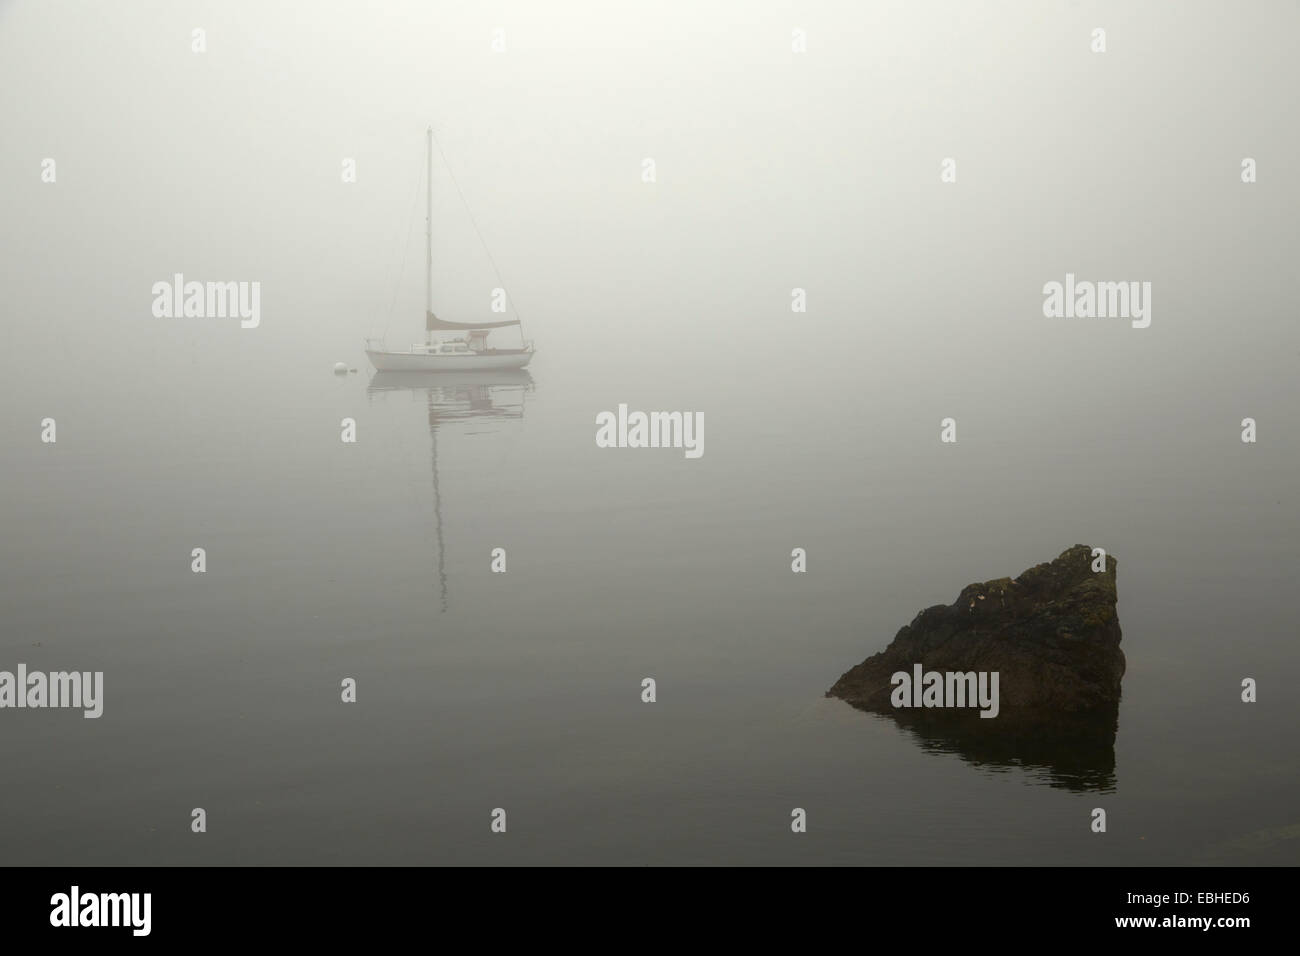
[473, 343]
[447, 347]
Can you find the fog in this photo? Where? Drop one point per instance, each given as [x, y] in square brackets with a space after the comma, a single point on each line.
[774, 171]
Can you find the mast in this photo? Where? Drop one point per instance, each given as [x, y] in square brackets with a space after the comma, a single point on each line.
[428, 240]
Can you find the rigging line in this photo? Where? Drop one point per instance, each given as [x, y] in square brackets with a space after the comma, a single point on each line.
[406, 254]
[469, 212]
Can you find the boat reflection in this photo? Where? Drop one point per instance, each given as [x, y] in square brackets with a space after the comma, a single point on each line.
[454, 398]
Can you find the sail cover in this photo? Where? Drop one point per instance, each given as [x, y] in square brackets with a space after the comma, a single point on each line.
[434, 324]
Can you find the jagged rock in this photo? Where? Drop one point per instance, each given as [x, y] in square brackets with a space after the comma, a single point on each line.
[1053, 636]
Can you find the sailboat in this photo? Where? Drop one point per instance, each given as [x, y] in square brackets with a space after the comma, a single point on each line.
[467, 352]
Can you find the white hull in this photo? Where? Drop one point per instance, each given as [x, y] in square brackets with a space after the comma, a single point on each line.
[470, 362]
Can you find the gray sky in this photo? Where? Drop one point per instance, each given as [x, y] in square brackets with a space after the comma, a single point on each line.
[775, 171]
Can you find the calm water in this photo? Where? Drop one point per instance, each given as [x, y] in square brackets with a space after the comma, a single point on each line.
[522, 691]
[775, 171]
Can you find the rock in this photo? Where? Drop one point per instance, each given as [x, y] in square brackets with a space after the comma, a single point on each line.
[1053, 636]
